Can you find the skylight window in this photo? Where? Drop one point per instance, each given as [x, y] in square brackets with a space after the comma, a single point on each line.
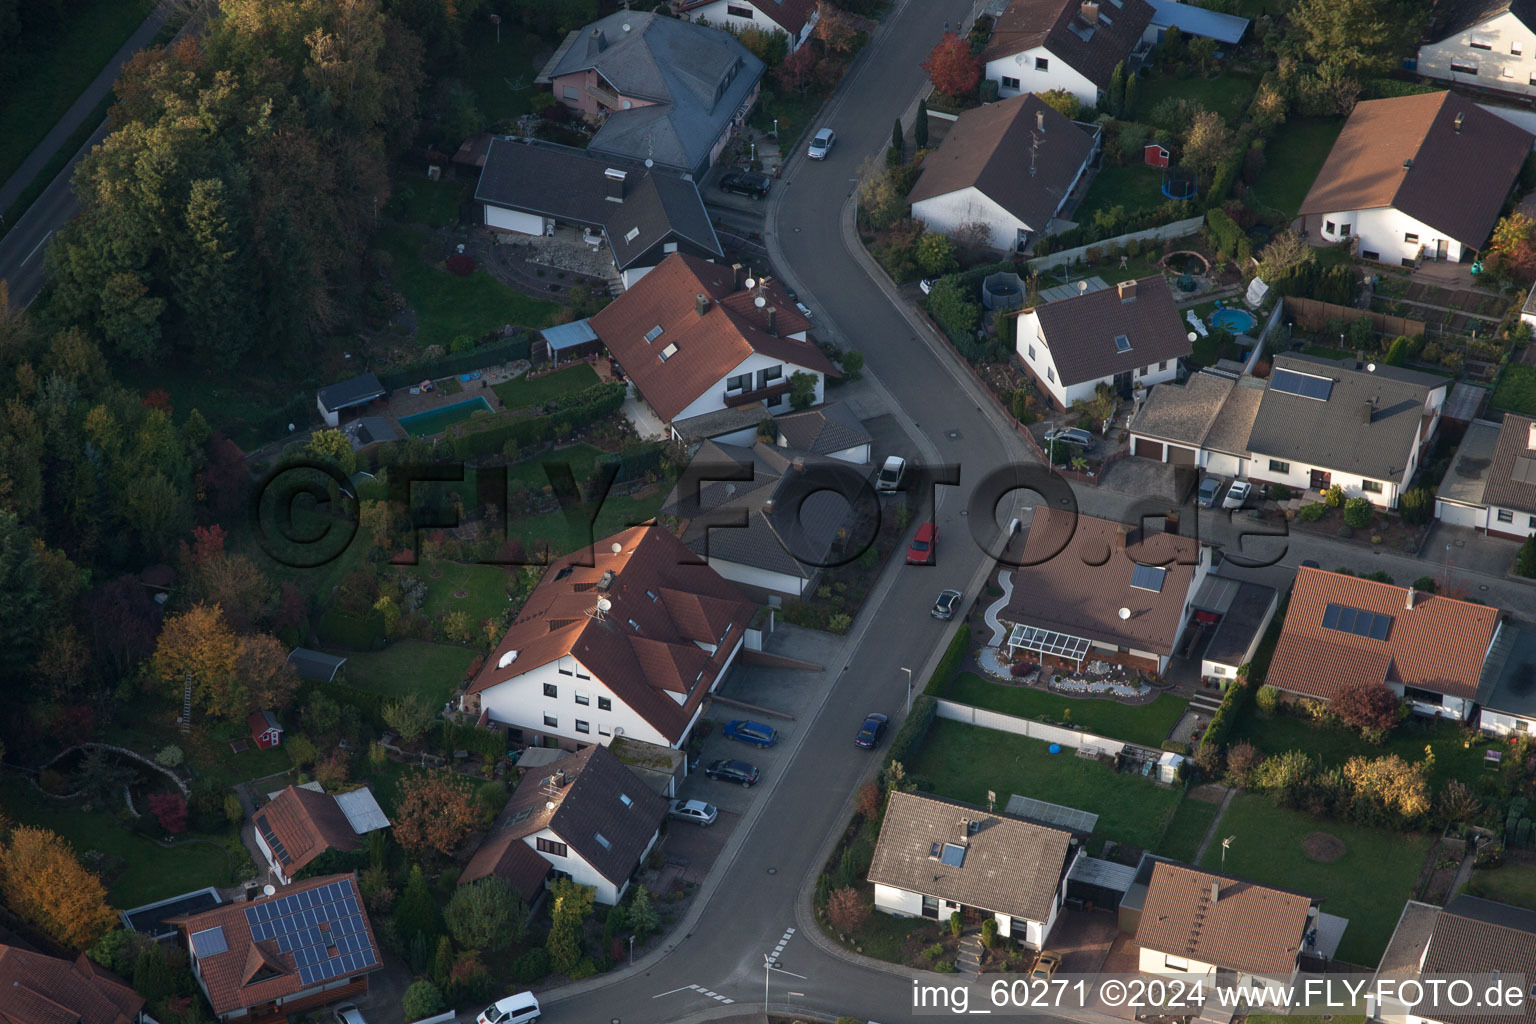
[631, 234]
[668, 352]
[953, 855]
[625, 800]
[1122, 343]
[653, 333]
[1148, 577]
[602, 840]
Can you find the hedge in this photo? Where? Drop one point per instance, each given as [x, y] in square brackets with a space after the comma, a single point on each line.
[359, 632]
[510, 350]
[910, 736]
[371, 704]
[485, 742]
[488, 435]
[1223, 231]
[1232, 704]
[1390, 88]
[949, 665]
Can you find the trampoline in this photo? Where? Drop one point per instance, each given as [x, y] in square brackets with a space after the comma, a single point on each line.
[1179, 183]
[1236, 321]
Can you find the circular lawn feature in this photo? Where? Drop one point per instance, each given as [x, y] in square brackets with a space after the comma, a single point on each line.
[461, 594]
[1323, 847]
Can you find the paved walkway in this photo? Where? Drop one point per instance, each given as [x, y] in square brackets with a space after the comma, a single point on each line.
[999, 631]
[1210, 833]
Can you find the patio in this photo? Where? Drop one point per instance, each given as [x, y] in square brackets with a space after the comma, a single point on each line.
[568, 248]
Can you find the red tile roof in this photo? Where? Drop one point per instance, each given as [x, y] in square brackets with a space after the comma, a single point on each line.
[1438, 644]
[645, 650]
[38, 989]
[1247, 927]
[307, 824]
[709, 347]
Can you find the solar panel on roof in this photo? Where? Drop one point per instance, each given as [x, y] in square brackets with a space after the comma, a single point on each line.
[1524, 470]
[273, 843]
[209, 942]
[1341, 618]
[1148, 577]
[1303, 384]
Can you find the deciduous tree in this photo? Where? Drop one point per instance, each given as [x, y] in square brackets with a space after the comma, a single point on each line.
[935, 255]
[1208, 143]
[198, 645]
[486, 915]
[1390, 785]
[409, 716]
[45, 885]
[434, 812]
[170, 810]
[1514, 243]
[1356, 36]
[1369, 707]
[834, 28]
[847, 909]
[952, 67]
[263, 671]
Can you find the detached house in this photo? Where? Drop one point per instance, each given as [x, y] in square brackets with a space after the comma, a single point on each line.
[585, 817]
[300, 823]
[1416, 177]
[936, 857]
[1468, 936]
[1490, 44]
[1491, 484]
[1011, 166]
[629, 645]
[669, 92]
[711, 350]
[791, 18]
[38, 989]
[1341, 631]
[1122, 336]
[1040, 45]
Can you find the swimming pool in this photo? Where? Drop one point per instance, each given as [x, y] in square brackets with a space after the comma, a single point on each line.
[435, 421]
[1237, 321]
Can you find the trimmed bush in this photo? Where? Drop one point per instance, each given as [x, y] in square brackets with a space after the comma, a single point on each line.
[488, 435]
[1358, 513]
[913, 730]
[944, 673]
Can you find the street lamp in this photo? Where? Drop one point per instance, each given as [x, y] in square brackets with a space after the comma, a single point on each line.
[768, 963]
[631, 951]
[909, 689]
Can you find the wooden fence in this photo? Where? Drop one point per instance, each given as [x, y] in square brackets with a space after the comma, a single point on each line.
[1312, 315]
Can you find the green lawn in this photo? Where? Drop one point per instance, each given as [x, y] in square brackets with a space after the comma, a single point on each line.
[1135, 186]
[1144, 724]
[484, 588]
[1292, 160]
[215, 760]
[521, 392]
[1512, 883]
[422, 201]
[567, 530]
[501, 74]
[1367, 885]
[50, 77]
[582, 458]
[963, 761]
[410, 666]
[1517, 390]
[447, 306]
[793, 111]
[1191, 821]
[1228, 95]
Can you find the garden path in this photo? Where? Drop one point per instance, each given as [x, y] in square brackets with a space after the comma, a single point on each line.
[1210, 833]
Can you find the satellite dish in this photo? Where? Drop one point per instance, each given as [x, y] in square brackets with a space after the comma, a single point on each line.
[1082, 287]
[549, 806]
[603, 604]
[751, 283]
[626, 104]
[1125, 613]
[616, 547]
[1193, 337]
[626, 26]
[290, 428]
[759, 302]
[1371, 367]
[268, 890]
[649, 162]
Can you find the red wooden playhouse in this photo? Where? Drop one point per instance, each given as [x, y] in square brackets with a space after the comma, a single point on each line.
[266, 730]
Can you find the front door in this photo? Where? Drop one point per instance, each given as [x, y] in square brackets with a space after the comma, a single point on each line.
[1123, 384]
[1442, 249]
[1321, 480]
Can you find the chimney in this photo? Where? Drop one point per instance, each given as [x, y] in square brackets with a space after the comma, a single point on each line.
[773, 321]
[1040, 120]
[1530, 438]
[1215, 889]
[1459, 118]
[737, 276]
[1369, 410]
[615, 178]
[1128, 291]
[965, 830]
[701, 304]
[1119, 540]
[1412, 595]
[798, 465]
[1359, 358]
[1090, 12]
[598, 40]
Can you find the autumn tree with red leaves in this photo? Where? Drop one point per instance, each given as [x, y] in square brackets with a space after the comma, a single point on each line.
[434, 812]
[847, 909]
[170, 810]
[1369, 707]
[952, 67]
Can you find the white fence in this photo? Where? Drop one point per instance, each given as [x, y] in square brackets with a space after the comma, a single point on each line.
[957, 712]
[1178, 229]
[1270, 327]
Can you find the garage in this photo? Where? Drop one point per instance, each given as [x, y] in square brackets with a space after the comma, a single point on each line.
[1098, 883]
[1456, 514]
[1182, 456]
[1149, 449]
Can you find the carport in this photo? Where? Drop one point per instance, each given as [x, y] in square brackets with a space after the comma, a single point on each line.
[1098, 883]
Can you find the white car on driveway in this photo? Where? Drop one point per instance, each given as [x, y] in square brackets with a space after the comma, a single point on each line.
[891, 473]
[696, 811]
[1237, 494]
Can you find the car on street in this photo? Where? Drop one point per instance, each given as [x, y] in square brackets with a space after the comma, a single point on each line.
[522, 1008]
[739, 772]
[891, 473]
[944, 607]
[821, 144]
[1307, 563]
[924, 544]
[1237, 494]
[1046, 965]
[347, 1013]
[1210, 487]
[1070, 435]
[745, 183]
[696, 811]
[870, 732]
[755, 733]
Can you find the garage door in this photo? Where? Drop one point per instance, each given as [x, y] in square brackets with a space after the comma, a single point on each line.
[1148, 449]
[1460, 515]
[1181, 456]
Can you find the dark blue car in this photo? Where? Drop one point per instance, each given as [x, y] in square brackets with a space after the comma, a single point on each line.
[870, 732]
[755, 733]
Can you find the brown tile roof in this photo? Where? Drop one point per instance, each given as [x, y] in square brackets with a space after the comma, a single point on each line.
[235, 978]
[1060, 26]
[1478, 936]
[40, 989]
[989, 146]
[1080, 332]
[1183, 412]
[1458, 180]
[790, 15]
[307, 824]
[1439, 644]
[709, 347]
[589, 803]
[1248, 927]
[1010, 866]
[647, 663]
[1512, 473]
[1452, 17]
[1082, 587]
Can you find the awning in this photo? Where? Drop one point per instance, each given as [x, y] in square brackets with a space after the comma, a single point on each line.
[1045, 641]
[577, 332]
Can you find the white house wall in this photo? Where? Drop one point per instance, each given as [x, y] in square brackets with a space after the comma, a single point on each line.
[633, 274]
[1521, 524]
[1499, 65]
[1037, 355]
[898, 902]
[577, 866]
[520, 702]
[1057, 75]
[1383, 235]
[1456, 514]
[1497, 723]
[945, 214]
[1223, 463]
[514, 220]
[765, 579]
[718, 15]
[713, 398]
[272, 862]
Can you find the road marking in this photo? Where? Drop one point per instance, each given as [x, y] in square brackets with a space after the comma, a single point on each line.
[778, 950]
[695, 988]
[36, 247]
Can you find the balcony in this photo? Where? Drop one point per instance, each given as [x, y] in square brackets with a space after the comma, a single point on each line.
[768, 393]
[607, 97]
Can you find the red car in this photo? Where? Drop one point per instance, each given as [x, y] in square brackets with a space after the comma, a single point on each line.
[921, 551]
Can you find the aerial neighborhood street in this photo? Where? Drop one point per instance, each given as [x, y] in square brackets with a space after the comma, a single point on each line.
[766, 510]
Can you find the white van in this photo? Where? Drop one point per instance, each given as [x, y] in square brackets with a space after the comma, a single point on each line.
[522, 1008]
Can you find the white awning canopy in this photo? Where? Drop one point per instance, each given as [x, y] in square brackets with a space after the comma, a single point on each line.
[1045, 641]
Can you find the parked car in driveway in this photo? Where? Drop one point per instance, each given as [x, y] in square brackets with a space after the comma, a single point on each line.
[739, 772]
[696, 811]
[1210, 487]
[1046, 965]
[821, 144]
[745, 183]
[870, 732]
[925, 544]
[1237, 494]
[891, 473]
[926, 285]
[944, 607]
[751, 732]
[1070, 435]
[522, 1008]
[348, 1013]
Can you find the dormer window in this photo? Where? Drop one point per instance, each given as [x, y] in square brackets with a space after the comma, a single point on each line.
[652, 334]
[668, 352]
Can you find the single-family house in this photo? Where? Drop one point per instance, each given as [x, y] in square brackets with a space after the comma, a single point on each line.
[1193, 20]
[1488, 44]
[1491, 484]
[1361, 426]
[833, 430]
[584, 816]
[300, 823]
[266, 730]
[624, 639]
[1506, 693]
[667, 91]
[1121, 337]
[640, 213]
[333, 399]
[793, 19]
[1342, 631]
[1074, 45]
[711, 351]
[1090, 589]
[765, 517]
[1469, 936]
[264, 960]
[936, 857]
[1204, 422]
[38, 989]
[1416, 177]
[1010, 166]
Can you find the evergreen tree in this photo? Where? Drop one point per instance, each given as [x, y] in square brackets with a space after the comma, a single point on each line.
[1117, 90]
[1128, 105]
[920, 126]
[642, 913]
[897, 142]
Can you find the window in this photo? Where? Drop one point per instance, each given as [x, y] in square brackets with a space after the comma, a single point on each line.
[566, 668]
[739, 12]
[740, 382]
[1343, 230]
[625, 800]
[1366, 254]
[768, 376]
[668, 352]
[1042, 64]
[1533, 78]
[604, 704]
[669, 247]
[1050, 371]
[570, 92]
[1010, 83]
[582, 726]
[652, 595]
[551, 690]
[1031, 353]
[583, 699]
[602, 840]
[551, 722]
[631, 234]
[1506, 72]
[1463, 67]
[1371, 486]
[1516, 48]
[1163, 365]
[603, 730]
[1481, 44]
[1276, 466]
[582, 673]
[1410, 238]
[652, 334]
[1330, 227]
[550, 847]
[1506, 516]
[1175, 963]
[931, 907]
[1530, 523]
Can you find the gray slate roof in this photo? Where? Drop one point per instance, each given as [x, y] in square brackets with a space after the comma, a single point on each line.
[1455, 16]
[1080, 332]
[696, 77]
[1334, 434]
[1183, 412]
[1010, 866]
[1512, 474]
[1468, 475]
[1508, 683]
[1241, 621]
[571, 185]
[823, 430]
[360, 389]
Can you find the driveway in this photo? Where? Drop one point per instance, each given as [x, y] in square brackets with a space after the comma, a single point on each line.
[1463, 548]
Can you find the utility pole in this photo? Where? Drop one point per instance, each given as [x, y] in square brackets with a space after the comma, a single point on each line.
[909, 689]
